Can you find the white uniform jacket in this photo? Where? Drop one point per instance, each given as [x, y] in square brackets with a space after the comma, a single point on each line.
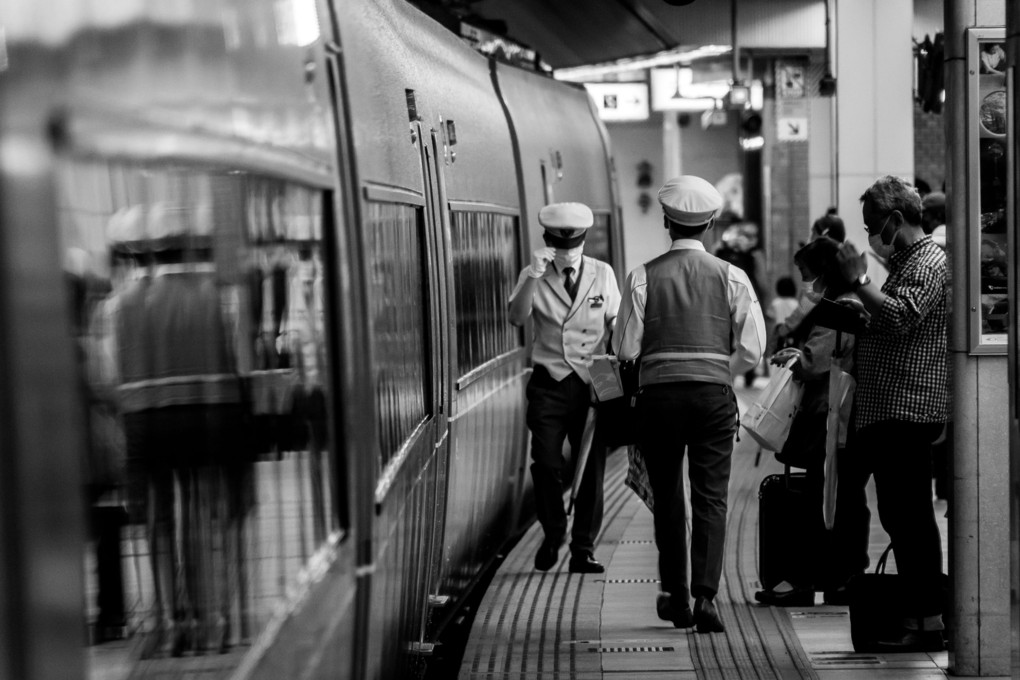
[568, 334]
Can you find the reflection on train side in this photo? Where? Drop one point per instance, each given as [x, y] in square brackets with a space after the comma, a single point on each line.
[199, 306]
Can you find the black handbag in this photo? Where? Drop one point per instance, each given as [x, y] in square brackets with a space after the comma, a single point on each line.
[616, 419]
[877, 606]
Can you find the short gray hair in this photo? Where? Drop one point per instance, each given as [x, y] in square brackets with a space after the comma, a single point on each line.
[891, 193]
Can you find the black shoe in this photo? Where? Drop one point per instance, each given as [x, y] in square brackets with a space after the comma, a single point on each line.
[680, 618]
[706, 618]
[837, 597]
[585, 563]
[798, 597]
[912, 641]
[548, 555]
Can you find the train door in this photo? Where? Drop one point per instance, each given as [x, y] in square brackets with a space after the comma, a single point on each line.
[432, 522]
[405, 281]
[438, 154]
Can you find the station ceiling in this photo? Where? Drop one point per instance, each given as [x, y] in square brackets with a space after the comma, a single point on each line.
[577, 32]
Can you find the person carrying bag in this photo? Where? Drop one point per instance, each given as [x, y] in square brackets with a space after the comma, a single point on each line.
[819, 351]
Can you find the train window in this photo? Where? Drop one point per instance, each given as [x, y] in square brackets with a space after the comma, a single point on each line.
[398, 301]
[597, 243]
[485, 268]
[212, 478]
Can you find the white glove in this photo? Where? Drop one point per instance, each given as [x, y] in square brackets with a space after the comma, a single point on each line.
[540, 259]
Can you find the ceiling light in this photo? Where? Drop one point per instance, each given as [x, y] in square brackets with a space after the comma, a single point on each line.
[668, 58]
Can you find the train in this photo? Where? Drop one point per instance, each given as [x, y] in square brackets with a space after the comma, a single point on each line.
[260, 254]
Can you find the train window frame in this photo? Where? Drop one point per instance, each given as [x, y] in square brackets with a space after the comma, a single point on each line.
[981, 82]
[387, 468]
[468, 372]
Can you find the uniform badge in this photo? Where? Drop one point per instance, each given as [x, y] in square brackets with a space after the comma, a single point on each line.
[596, 301]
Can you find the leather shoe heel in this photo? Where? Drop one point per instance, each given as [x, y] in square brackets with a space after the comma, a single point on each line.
[706, 618]
[548, 555]
[680, 618]
[585, 564]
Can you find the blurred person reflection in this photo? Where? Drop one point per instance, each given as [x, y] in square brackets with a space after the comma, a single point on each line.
[172, 359]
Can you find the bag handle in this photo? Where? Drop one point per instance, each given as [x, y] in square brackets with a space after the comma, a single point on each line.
[880, 567]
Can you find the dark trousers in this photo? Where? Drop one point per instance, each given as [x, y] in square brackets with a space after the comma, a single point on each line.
[701, 418]
[556, 412]
[898, 454]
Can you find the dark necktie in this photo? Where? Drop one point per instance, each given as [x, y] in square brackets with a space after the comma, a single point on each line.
[568, 282]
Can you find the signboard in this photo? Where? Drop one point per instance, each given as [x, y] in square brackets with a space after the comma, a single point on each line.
[789, 81]
[620, 101]
[792, 129]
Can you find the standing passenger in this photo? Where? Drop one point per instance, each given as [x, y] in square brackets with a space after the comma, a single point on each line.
[574, 304]
[900, 405]
[694, 322]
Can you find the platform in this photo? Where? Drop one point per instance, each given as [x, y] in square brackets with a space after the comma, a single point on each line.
[534, 625]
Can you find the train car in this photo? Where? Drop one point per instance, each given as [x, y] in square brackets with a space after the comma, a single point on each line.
[286, 233]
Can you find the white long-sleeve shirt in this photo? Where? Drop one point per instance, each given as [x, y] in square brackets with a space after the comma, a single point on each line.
[748, 323]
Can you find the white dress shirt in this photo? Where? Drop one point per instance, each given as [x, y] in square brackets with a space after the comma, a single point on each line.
[748, 322]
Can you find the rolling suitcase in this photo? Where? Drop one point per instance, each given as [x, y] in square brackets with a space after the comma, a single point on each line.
[784, 548]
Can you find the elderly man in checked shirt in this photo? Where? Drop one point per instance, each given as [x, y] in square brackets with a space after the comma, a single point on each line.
[900, 405]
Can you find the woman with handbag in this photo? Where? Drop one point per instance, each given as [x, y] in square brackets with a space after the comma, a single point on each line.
[812, 353]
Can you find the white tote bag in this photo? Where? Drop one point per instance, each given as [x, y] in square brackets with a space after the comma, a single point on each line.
[769, 418]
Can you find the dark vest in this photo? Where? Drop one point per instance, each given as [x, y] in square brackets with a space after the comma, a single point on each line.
[688, 324]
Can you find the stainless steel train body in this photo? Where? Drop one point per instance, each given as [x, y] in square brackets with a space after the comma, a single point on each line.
[332, 200]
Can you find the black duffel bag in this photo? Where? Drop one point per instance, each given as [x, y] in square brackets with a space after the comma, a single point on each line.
[616, 422]
[877, 608]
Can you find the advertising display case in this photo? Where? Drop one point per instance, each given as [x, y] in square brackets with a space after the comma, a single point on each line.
[986, 243]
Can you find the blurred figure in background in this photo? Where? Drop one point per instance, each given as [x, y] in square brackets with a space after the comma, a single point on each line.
[740, 247]
[830, 224]
[782, 305]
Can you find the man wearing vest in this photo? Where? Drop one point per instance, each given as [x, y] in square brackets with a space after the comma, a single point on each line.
[574, 304]
[694, 322]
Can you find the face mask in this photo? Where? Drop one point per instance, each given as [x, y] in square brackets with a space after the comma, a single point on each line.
[882, 249]
[568, 257]
[807, 288]
[812, 294]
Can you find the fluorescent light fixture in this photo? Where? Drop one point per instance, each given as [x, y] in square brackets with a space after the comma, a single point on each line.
[752, 143]
[668, 83]
[580, 74]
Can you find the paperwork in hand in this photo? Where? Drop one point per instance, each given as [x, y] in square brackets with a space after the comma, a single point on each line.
[604, 370]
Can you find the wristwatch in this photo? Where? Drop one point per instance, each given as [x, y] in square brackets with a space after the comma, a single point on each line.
[861, 280]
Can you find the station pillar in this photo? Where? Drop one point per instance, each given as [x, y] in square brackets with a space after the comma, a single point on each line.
[874, 103]
[979, 563]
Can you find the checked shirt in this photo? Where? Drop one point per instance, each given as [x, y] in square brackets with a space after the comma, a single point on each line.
[901, 358]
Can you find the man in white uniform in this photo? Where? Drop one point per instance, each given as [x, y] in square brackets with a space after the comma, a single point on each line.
[573, 300]
[694, 322]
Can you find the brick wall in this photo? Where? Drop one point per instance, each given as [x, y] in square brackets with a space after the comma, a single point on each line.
[929, 148]
[790, 211]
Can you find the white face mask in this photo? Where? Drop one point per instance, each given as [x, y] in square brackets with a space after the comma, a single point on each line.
[807, 288]
[882, 249]
[568, 257]
[812, 293]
